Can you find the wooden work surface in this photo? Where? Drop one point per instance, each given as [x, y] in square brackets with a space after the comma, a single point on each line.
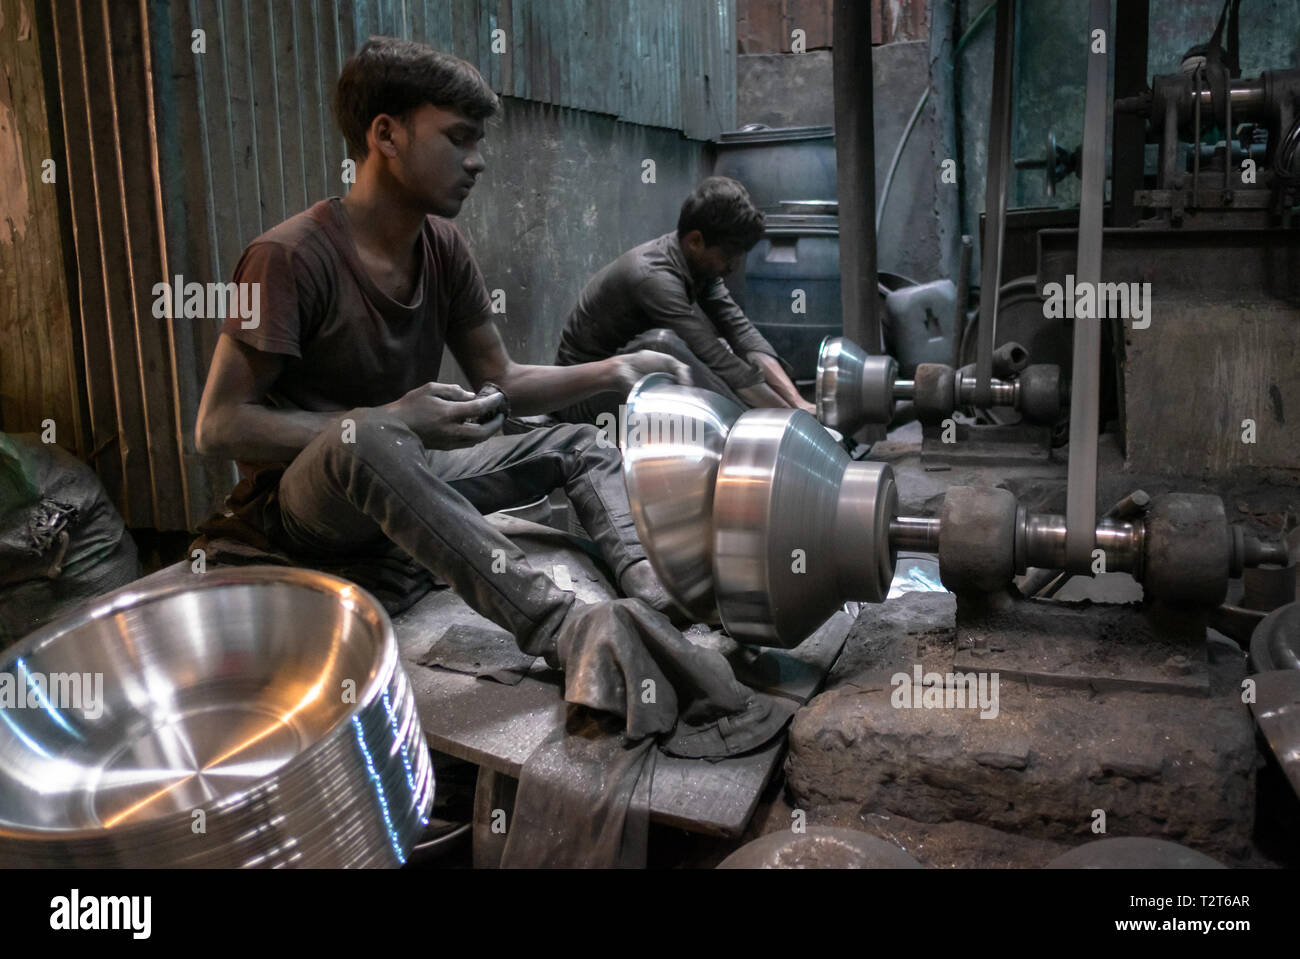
[498, 727]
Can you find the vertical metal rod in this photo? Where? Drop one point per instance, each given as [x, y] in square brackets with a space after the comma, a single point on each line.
[1081, 496]
[1196, 136]
[1128, 130]
[1227, 141]
[963, 300]
[995, 198]
[855, 165]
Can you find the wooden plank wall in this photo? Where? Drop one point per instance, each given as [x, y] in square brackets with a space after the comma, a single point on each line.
[39, 361]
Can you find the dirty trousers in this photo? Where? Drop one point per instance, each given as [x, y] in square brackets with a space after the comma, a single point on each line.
[341, 498]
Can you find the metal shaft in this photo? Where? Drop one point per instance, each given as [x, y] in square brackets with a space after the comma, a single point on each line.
[1045, 543]
[1042, 542]
[1001, 392]
[1043, 537]
[1004, 392]
[1246, 98]
[919, 534]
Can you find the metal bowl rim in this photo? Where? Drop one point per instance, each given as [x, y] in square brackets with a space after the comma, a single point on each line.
[127, 597]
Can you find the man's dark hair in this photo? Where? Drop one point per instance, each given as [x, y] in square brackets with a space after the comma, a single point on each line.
[394, 76]
[720, 208]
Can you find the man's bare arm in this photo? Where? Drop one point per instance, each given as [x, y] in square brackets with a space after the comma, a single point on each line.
[779, 383]
[540, 389]
[761, 397]
[234, 421]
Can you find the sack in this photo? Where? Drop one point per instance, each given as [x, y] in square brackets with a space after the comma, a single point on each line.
[61, 540]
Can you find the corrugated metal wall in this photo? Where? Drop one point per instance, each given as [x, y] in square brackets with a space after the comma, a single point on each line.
[264, 86]
[139, 371]
[177, 159]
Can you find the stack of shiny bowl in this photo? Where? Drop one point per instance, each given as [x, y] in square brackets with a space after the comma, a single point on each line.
[256, 716]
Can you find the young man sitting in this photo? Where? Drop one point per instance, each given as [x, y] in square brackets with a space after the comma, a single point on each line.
[329, 404]
[668, 295]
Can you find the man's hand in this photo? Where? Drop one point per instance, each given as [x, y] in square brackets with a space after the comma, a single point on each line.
[760, 396]
[446, 417]
[630, 367]
[780, 384]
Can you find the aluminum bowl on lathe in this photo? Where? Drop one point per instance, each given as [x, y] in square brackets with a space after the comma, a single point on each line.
[255, 716]
[675, 438]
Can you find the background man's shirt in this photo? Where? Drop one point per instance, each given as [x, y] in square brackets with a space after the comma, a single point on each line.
[650, 287]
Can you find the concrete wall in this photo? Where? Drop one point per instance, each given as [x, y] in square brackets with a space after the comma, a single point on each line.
[562, 196]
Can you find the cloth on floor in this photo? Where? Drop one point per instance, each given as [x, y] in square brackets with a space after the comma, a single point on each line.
[481, 652]
[584, 799]
[584, 793]
[625, 658]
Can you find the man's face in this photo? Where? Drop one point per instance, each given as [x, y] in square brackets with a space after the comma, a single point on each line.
[437, 157]
[709, 263]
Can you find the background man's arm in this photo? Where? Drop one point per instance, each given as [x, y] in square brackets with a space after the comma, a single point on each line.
[662, 300]
[731, 321]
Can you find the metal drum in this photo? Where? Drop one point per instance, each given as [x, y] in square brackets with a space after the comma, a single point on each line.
[255, 716]
[792, 287]
[779, 163]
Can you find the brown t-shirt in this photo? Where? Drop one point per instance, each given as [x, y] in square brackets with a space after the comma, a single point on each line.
[347, 344]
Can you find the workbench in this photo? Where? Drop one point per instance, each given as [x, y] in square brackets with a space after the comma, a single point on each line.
[497, 726]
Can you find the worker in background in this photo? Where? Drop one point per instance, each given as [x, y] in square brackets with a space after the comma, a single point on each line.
[668, 295]
[328, 400]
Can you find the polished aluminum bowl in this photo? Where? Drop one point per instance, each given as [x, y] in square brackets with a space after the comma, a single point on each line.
[1275, 643]
[675, 437]
[798, 528]
[255, 716]
[853, 388]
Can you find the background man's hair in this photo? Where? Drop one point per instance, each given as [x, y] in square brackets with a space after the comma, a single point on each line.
[720, 208]
[394, 76]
